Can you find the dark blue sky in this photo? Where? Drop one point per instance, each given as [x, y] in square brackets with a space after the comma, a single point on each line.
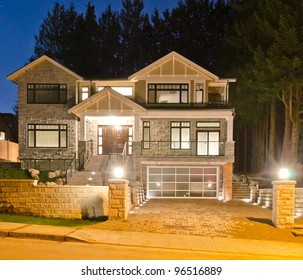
[20, 20]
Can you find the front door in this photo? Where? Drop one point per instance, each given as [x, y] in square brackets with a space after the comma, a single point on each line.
[111, 139]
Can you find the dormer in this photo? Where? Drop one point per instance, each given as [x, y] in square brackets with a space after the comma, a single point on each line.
[175, 80]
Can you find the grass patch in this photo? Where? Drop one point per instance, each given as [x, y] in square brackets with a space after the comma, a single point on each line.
[14, 174]
[13, 218]
[24, 174]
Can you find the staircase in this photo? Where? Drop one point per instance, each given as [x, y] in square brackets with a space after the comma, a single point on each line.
[240, 191]
[92, 175]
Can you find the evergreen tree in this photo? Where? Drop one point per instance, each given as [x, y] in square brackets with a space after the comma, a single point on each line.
[109, 36]
[135, 37]
[271, 39]
[56, 35]
[87, 48]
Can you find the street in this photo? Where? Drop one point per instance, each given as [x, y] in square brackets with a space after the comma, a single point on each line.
[31, 249]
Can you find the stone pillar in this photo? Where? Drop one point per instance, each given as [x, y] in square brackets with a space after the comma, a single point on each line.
[227, 181]
[117, 199]
[283, 203]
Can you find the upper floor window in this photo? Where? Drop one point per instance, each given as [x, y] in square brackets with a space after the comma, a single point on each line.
[47, 93]
[180, 135]
[146, 135]
[200, 93]
[126, 91]
[84, 93]
[167, 93]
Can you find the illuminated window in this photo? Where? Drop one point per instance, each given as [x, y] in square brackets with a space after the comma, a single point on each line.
[47, 135]
[146, 135]
[2, 135]
[84, 93]
[47, 93]
[180, 135]
[167, 93]
[126, 91]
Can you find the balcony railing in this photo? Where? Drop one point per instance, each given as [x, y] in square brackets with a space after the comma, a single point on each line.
[183, 148]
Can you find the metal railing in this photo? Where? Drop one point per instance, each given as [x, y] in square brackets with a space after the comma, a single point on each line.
[183, 148]
[85, 155]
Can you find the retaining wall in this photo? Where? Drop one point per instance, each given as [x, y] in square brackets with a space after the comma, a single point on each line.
[26, 198]
[265, 197]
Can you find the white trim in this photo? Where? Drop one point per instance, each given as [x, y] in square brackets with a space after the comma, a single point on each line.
[15, 75]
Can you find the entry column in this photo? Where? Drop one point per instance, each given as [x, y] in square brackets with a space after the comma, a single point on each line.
[283, 209]
[118, 199]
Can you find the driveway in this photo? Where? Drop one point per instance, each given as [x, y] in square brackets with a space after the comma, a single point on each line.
[211, 218]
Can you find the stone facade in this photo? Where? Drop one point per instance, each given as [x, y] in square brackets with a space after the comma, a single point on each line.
[71, 202]
[46, 73]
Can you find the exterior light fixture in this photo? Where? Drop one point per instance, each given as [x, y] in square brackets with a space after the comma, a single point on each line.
[118, 172]
[283, 174]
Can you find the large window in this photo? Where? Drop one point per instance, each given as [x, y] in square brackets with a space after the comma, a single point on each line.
[47, 136]
[167, 93]
[47, 93]
[180, 135]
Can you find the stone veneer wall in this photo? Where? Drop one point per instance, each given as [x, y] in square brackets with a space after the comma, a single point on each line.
[47, 113]
[26, 198]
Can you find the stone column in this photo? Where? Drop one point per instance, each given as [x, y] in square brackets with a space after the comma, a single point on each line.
[117, 199]
[283, 207]
[227, 181]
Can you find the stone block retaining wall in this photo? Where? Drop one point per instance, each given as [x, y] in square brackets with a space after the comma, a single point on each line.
[26, 198]
[265, 197]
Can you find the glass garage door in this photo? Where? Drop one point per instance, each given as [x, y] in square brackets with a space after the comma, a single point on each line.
[195, 181]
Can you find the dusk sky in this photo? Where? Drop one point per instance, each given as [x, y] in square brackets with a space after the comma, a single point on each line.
[20, 20]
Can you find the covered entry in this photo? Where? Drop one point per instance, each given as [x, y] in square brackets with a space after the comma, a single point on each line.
[183, 181]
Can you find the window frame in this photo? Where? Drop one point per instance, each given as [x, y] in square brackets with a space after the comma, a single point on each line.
[181, 141]
[153, 88]
[146, 132]
[58, 89]
[60, 128]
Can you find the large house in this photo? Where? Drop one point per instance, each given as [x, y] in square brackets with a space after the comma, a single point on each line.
[169, 125]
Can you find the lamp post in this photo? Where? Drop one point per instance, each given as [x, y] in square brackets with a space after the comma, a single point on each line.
[283, 208]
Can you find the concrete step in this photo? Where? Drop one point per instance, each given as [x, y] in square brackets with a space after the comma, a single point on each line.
[86, 178]
[96, 163]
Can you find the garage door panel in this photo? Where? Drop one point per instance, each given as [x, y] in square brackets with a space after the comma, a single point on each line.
[195, 181]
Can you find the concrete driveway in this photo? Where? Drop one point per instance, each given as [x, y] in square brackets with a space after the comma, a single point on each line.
[211, 218]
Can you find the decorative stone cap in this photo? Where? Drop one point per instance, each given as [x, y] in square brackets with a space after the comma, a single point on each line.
[118, 181]
[284, 182]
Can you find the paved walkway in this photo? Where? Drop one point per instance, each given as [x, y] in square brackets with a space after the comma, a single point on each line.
[210, 218]
[234, 228]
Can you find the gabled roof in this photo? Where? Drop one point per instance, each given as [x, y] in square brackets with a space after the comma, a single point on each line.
[175, 58]
[15, 75]
[106, 101]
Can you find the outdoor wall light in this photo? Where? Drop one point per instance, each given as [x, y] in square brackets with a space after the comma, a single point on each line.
[283, 174]
[118, 172]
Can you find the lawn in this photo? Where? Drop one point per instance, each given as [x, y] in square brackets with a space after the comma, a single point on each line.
[13, 218]
[24, 174]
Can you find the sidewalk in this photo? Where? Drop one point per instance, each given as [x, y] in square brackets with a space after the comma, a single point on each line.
[260, 249]
[213, 226]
